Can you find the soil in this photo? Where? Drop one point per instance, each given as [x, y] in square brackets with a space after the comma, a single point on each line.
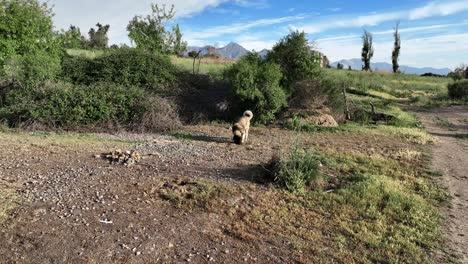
[450, 157]
[76, 208]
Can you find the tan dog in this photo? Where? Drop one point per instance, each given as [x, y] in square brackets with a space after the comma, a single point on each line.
[240, 130]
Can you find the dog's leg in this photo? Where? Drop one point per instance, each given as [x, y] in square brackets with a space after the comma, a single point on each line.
[246, 135]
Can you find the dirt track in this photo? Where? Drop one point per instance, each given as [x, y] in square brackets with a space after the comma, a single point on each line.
[450, 156]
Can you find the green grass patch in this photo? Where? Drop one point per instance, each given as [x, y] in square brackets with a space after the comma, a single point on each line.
[8, 199]
[210, 66]
[89, 54]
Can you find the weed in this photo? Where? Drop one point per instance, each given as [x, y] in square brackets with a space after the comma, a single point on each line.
[296, 170]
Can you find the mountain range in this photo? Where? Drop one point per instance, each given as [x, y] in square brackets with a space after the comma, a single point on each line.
[236, 51]
[230, 51]
[356, 64]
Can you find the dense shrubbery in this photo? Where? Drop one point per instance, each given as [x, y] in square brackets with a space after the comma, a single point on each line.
[296, 59]
[31, 70]
[123, 66]
[69, 106]
[256, 86]
[458, 90]
[29, 49]
[318, 93]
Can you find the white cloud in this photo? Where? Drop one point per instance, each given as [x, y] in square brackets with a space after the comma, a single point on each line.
[438, 8]
[86, 13]
[430, 10]
[256, 42]
[440, 51]
[252, 3]
[237, 28]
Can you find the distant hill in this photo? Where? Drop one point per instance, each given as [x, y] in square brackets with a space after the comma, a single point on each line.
[356, 64]
[230, 51]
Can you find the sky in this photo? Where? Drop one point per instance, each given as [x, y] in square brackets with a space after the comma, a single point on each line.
[433, 33]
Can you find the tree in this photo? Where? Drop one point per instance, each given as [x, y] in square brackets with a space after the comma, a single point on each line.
[180, 46]
[149, 33]
[296, 59]
[98, 38]
[339, 66]
[396, 49]
[26, 28]
[367, 50]
[194, 54]
[349, 68]
[256, 86]
[72, 38]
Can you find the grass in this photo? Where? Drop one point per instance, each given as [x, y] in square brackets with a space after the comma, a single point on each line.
[384, 213]
[209, 66]
[90, 54]
[8, 199]
[421, 91]
[296, 170]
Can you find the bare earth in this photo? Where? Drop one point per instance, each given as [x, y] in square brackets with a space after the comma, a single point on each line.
[450, 156]
[78, 209]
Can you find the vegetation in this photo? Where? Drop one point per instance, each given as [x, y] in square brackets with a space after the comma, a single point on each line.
[128, 67]
[98, 37]
[296, 60]
[396, 49]
[72, 38]
[27, 36]
[367, 50]
[296, 170]
[458, 90]
[256, 86]
[149, 33]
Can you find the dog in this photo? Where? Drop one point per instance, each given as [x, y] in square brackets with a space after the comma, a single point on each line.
[240, 130]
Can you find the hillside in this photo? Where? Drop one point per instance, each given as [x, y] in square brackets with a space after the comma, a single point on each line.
[356, 64]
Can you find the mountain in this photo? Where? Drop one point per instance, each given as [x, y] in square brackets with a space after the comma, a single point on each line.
[230, 51]
[263, 53]
[356, 64]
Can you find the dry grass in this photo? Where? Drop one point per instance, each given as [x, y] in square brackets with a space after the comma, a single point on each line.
[8, 199]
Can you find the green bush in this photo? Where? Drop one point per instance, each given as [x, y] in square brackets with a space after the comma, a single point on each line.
[297, 62]
[297, 170]
[64, 105]
[256, 86]
[127, 67]
[27, 36]
[32, 69]
[458, 90]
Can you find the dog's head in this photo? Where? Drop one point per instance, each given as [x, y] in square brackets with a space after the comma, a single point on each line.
[248, 114]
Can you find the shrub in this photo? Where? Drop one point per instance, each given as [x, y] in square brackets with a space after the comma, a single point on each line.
[128, 67]
[458, 90]
[26, 31]
[69, 106]
[296, 170]
[65, 105]
[318, 93]
[32, 69]
[296, 59]
[157, 115]
[256, 86]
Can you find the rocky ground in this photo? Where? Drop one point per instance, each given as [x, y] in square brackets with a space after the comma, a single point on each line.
[76, 208]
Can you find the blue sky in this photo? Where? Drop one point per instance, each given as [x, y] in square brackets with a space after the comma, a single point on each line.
[434, 33]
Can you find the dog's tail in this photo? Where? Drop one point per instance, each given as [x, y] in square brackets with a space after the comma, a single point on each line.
[237, 134]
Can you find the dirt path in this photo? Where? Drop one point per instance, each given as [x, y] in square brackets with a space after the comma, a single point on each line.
[450, 156]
